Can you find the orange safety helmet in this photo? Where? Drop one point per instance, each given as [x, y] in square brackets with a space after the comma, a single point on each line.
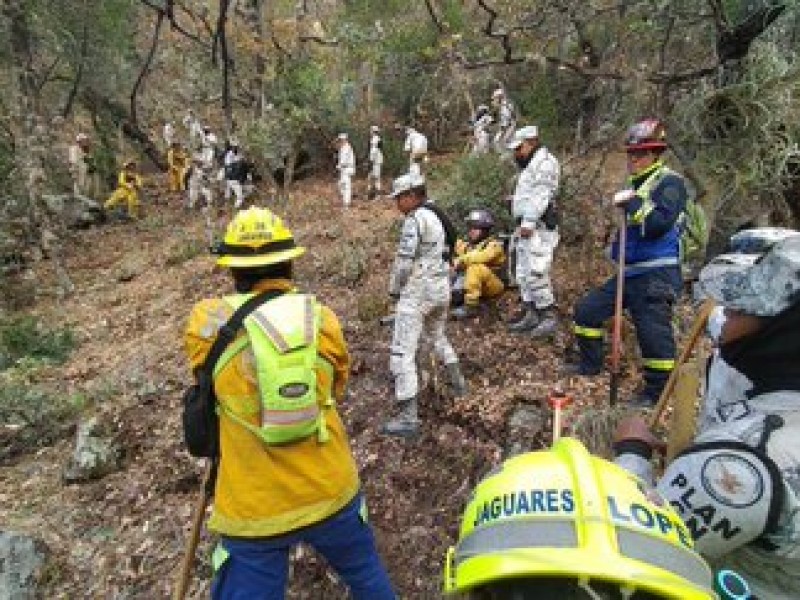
[649, 134]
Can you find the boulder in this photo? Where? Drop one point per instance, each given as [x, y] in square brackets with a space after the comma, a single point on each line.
[77, 212]
[22, 561]
[524, 429]
[96, 454]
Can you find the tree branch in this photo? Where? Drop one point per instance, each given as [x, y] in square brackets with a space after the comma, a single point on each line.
[168, 11]
[434, 17]
[146, 66]
[734, 44]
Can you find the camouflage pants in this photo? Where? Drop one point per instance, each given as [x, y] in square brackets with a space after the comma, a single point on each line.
[418, 319]
[534, 258]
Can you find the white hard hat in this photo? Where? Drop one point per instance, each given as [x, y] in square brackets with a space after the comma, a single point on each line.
[374, 129]
[406, 182]
[520, 135]
[342, 136]
[211, 138]
[498, 93]
[81, 137]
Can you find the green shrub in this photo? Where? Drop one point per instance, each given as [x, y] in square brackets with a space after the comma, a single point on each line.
[471, 182]
[25, 336]
[185, 249]
[32, 416]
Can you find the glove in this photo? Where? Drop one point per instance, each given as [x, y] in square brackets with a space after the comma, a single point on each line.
[635, 428]
[394, 296]
[621, 198]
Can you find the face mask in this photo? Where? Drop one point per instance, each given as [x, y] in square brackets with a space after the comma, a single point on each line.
[716, 321]
[522, 161]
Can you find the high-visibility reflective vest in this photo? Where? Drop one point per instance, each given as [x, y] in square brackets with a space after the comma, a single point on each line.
[642, 253]
[283, 334]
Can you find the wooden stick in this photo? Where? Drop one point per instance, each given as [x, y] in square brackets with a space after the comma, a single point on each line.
[185, 574]
[694, 335]
[616, 332]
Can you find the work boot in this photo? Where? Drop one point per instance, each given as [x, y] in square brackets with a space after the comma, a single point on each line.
[642, 400]
[406, 422]
[529, 320]
[465, 311]
[576, 369]
[548, 324]
[458, 384]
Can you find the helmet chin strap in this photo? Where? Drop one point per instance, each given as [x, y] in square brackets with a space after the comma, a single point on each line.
[583, 583]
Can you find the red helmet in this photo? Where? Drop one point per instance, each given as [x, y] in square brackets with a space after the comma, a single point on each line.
[648, 134]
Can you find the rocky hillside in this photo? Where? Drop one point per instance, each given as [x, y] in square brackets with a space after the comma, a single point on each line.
[121, 536]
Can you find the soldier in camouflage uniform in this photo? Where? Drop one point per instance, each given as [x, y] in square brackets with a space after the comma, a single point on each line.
[420, 284]
[737, 485]
[536, 237]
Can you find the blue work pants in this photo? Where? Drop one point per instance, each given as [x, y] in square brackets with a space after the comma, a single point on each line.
[257, 569]
[649, 299]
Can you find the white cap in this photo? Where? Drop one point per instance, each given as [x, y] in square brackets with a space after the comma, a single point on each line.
[342, 136]
[81, 137]
[498, 93]
[374, 129]
[520, 135]
[406, 182]
[211, 138]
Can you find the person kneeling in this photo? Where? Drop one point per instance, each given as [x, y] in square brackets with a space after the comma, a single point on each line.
[477, 262]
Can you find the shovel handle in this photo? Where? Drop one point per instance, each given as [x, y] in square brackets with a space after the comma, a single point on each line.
[616, 331]
[203, 498]
[694, 335]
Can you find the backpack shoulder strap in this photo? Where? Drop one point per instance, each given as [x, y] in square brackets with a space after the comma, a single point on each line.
[450, 236]
[228, 331]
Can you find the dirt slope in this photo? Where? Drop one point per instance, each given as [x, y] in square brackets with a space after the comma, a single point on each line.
[121, 537]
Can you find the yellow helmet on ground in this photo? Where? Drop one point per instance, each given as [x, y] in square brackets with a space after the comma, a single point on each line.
[565, 514]
[256, 237]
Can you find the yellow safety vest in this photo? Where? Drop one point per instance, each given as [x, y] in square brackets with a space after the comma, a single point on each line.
[283, 334]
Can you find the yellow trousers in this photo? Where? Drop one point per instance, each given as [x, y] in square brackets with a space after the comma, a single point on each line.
[129, 197]
[177, 176]
[481, 282]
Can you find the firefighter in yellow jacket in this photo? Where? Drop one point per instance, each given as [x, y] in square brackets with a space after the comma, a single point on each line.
[273, 492]
[129, 183]
[477, 262]
[178, 162]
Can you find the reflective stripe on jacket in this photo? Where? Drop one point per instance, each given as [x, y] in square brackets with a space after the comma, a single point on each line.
[264, 490]
[653, 232]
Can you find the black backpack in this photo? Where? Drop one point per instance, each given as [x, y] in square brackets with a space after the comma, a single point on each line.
[450, 236]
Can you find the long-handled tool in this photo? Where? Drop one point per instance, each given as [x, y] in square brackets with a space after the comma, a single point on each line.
[697, 329]
[616, 332]
[185, 574]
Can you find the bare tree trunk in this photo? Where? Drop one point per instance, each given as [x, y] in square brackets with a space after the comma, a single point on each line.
[222, 39]
[84, 50]
[118, 114]
[264, 15]
[146, 66]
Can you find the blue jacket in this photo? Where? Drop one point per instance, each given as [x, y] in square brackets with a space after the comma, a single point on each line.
[654, 221]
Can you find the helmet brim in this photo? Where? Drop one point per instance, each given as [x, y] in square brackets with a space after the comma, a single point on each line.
[646, 146]
[261, 260]
[571, 563]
